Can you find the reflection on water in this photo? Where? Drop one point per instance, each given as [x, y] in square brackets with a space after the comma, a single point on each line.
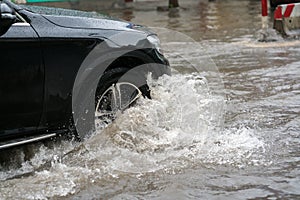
[169, 147]
[202, 20]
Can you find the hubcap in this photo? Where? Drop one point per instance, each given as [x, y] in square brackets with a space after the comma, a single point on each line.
[115, 100]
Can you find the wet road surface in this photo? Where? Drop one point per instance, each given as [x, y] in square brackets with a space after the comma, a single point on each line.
[226, 125]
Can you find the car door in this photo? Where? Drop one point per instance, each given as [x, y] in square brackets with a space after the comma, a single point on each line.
[21, 80]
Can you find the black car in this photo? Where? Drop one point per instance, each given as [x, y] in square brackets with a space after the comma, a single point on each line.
[62, 70]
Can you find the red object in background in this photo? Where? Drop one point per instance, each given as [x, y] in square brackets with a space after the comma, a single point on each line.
[264, 6]
[275, 3]
[278, 13]
[127, 1]
[287, 12]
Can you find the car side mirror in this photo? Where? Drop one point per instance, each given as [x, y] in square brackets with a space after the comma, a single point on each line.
[7, 17]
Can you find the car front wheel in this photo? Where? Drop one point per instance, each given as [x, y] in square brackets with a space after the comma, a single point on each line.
[118, 89]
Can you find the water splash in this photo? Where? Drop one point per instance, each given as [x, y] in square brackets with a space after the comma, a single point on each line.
[268, 35]
[179, 126]
[175, 130]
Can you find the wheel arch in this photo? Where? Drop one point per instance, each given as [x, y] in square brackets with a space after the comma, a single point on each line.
[85, 86]
[142, 58]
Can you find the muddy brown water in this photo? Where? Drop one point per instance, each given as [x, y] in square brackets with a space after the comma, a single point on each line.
[170, 147]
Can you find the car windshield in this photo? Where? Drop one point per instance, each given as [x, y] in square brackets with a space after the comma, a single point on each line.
[63, 12]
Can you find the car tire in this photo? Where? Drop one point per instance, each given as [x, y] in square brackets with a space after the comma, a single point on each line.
[118, 89]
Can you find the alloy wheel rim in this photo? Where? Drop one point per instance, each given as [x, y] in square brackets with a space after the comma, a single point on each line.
[114, 101]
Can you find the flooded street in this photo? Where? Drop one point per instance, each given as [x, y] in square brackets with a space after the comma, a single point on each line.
[226, 125]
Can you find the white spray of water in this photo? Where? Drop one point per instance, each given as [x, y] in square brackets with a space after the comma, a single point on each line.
[177, 127]
[174, 130]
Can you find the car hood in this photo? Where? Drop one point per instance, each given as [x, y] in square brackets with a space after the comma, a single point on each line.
[79, 19]
[88, 23]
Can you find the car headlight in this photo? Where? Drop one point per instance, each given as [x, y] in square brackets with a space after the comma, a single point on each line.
[154, 40]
